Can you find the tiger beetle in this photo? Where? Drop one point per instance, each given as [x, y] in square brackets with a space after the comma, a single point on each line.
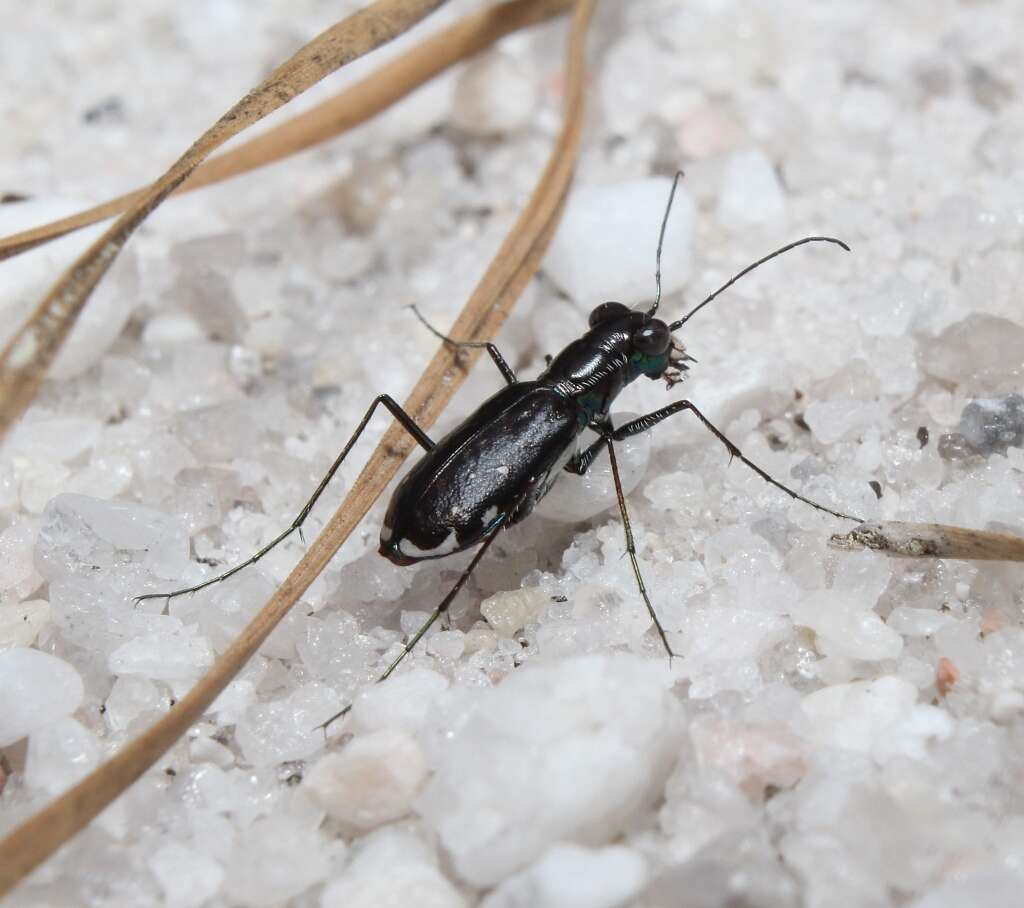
[490, 472]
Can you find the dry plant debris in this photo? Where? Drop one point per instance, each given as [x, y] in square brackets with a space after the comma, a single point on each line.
[930, 540]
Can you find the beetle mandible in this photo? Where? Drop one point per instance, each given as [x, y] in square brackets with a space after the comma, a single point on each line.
[490, 472]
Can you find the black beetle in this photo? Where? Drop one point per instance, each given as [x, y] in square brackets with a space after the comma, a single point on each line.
[489, 472]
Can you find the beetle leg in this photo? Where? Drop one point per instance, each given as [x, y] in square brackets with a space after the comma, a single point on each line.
[643, 423]
[580, 462]
[631, 548]
[503, 367]
[407, 422]
[441, 609]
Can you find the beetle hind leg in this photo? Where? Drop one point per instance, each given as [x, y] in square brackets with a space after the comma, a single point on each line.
[438, 612]
[504, 368]
[407, 422]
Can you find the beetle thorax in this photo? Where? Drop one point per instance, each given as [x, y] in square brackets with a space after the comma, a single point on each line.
[621, 345]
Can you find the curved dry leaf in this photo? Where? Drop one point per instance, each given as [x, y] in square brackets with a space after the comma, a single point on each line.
[28, 354]
[513, 266]
[346, 110]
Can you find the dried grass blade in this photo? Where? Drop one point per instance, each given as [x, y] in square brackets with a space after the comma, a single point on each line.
[350, 108]
[25, 359]
[931, 540]
[513, 266]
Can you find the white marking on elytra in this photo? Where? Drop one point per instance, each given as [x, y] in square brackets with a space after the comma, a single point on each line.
[447, 545]
[385, 533]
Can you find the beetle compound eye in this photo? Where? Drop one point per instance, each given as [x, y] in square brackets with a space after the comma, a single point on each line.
[652, 339]
[606, 312]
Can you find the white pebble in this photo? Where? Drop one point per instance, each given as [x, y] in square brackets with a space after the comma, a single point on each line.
[888, 309]
[721, 647]
[187, 877]
[880, 717]
[845, 627]
[236, 698]
[633, 81]
[35, 690]
[404, 122]
[397, 886]
[130, 697]
[41, 480]
[1007, 705]
[918, 622]
[402, 702]
[831, 420]
[372, 781]
[480, 639]
[558, 750]
[446, 645]
[169, 652]
[981, 352]
[82, 534]
[20, 623]
[570, 876]
[604, 247]
[170, 329]
[991, 887]
[707, 130]
[867, 109]
[341, 261]
[287, 729]
[754, 756]
[393, 868]
[510, 611]
[863, 577]
[495, 94]
[274, 860]
[60, 754]
[751, 193]
[207, 750]
[58, 439]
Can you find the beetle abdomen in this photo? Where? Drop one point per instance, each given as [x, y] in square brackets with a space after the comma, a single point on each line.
[489, 470]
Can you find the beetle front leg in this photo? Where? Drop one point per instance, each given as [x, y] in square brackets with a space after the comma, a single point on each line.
[580, 462]
[631, 547]
[643, 423]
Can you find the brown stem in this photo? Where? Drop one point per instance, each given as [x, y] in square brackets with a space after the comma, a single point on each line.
[931, 540]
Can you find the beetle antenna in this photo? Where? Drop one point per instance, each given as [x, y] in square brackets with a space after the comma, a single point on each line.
[661, 242]
[749, 268]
